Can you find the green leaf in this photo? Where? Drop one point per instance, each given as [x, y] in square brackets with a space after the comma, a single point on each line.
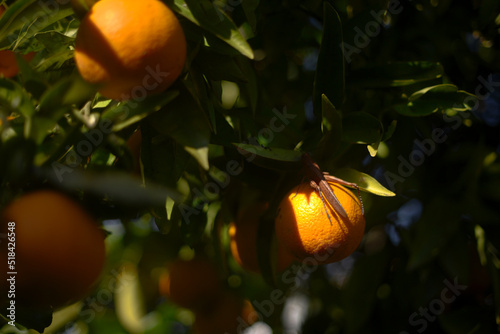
[332, 129]
[396, 74]
[390, 130]
[360, 293]
[219, 67]
[66, 92]
[250, 89]
[55, 102]
[197, 84]
[364, 181]
[206, 15]
[119, 187]
[439, 222]
[25, 18]
[270, 157]
[249, 7]
[163, 161]
[330, 72]
[13, 98]
[431, 99]
[130, 112]
[185, 122]
[361, 128]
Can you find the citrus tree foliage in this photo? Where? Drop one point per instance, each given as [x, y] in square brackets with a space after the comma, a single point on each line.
[400, 97]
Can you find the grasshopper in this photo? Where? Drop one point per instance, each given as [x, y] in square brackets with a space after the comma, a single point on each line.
[319, 181]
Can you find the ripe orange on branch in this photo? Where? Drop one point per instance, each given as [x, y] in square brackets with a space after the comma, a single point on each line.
[57, 247]
[130, 48]
[303, 226]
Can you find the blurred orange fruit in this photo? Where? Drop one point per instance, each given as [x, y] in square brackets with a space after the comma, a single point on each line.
[130, 48]
[193, 284]
[303, 227]
[231, 315]
[58, 249]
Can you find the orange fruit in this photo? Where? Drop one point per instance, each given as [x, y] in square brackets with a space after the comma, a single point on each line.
[243, 234]
[193, 284]
[303, 227]
[59, 250]
[130, 48]
[8, 62]
[231, 315]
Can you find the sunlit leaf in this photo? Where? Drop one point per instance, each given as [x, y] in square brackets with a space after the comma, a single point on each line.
[364, 181]
[128, 299]
[206, 15]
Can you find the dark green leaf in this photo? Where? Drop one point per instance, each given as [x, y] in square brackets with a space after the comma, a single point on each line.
[68, 91]
[121, 188]
[390, 130]
[130, 112]
[439, 222]
[431, 99]
[269, 156]
[250, 6]
[25, 18]
[330, 72]
[396, 74]
[14, 99]
[360, 292]
[31, 80]
[219, 67]
[332, 129]
[186, 123]
[57, 101]
[361, 128]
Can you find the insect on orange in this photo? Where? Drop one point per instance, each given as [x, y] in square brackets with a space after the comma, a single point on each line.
[319, 181]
